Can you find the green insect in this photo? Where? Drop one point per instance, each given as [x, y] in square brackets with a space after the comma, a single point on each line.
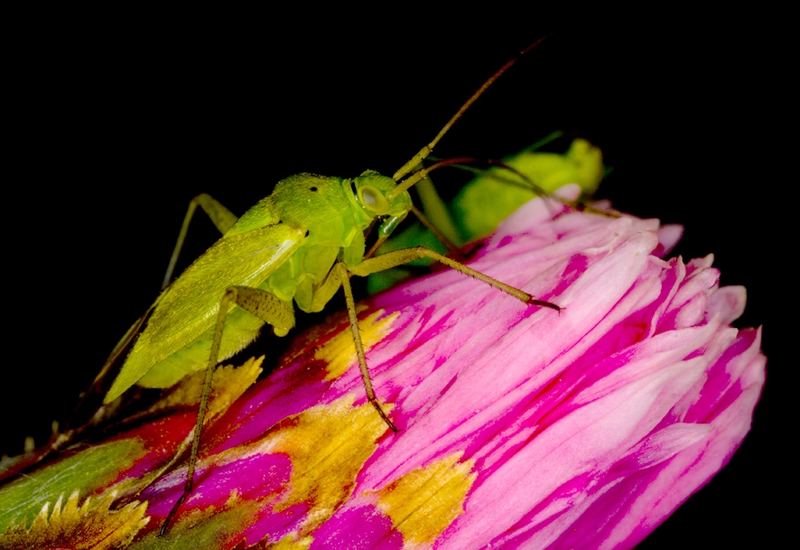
[296, 247]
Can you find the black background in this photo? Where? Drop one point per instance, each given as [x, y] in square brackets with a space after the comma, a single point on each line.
[111, 128]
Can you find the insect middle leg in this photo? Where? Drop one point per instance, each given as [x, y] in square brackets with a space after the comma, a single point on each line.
[436, 211]
[344, 277]
[268, 308]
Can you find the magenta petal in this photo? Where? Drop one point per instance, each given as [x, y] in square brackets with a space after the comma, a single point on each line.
[358, 527]
[251, 478]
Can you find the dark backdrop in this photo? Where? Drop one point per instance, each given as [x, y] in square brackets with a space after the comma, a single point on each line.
[112, 128]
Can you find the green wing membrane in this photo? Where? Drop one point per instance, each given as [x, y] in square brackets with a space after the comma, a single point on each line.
[187, 309]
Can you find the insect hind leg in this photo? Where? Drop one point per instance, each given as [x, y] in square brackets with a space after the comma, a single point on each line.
[267, 307]
[222, 218]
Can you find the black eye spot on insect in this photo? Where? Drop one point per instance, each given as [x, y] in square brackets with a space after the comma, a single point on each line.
[307, 233]
[312, 188]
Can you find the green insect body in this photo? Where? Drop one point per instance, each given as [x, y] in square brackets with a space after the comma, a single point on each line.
[287, 245]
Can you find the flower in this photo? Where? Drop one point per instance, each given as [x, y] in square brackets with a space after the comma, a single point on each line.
[518, 426]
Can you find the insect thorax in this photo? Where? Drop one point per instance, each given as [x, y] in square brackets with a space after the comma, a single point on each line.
[334, 214]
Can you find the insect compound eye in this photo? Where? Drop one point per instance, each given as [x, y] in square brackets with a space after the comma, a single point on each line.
[373, 199]
[369, 197]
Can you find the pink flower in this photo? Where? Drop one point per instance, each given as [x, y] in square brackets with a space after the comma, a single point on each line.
[518, 426]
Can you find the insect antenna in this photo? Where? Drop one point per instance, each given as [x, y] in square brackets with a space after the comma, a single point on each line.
[461, 162]
[465, 163]
[583, 203]
[422, 173]
[423, 153]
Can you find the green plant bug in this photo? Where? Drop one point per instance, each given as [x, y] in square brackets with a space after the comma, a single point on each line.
[295, 248]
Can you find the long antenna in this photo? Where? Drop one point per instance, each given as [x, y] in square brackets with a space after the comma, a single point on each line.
[464, 162]
[423, 153]
[422, 173]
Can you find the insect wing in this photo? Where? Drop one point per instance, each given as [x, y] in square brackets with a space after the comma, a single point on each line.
[188, 308]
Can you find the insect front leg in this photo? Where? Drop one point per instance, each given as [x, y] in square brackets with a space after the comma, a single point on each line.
[437, 212]
[222, 218]
[434, 217]
[400, 257]
[442, 237]
[268, 308]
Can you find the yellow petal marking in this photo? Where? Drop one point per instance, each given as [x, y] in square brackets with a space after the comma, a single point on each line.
[328, 445]
[423, 502]
[228, 385]
[291, 542]
[340, 353]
